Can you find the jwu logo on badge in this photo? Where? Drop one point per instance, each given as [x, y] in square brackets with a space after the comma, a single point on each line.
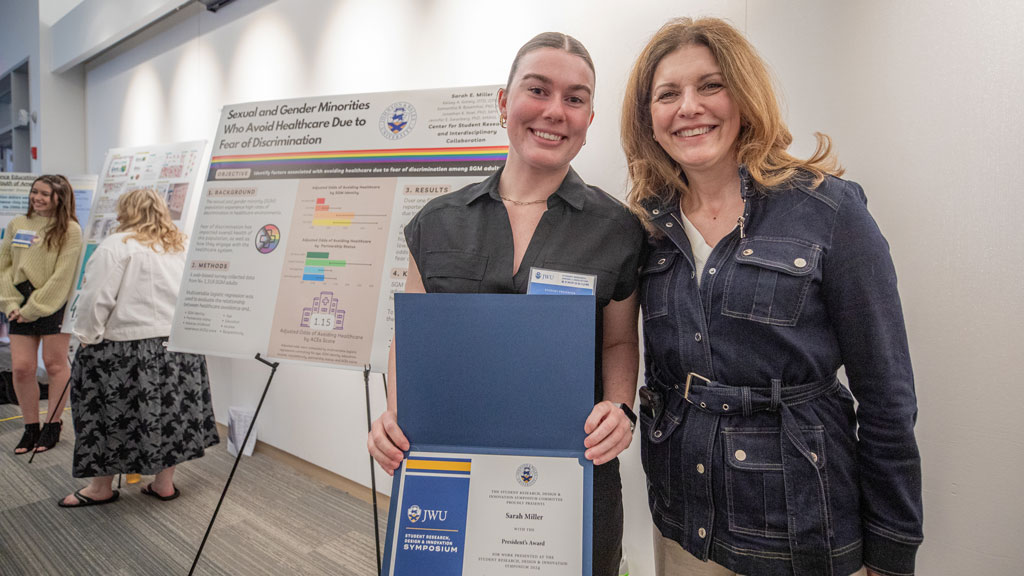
[561, 283]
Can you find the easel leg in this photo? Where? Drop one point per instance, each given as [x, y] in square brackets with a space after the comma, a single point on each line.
[373, 471]
[238, 457]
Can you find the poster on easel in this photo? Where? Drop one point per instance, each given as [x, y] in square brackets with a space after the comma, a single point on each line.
[171, 169]
[298, 245]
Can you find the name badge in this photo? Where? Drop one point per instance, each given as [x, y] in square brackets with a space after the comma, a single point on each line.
[24, 238]
[557, 282]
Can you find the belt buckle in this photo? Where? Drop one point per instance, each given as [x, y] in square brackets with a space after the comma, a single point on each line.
[689, 380]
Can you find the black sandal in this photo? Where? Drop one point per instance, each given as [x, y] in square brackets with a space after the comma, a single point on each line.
[28, 439]
[49, 436]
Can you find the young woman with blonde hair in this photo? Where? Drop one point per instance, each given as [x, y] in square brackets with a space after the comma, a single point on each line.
[137, 406]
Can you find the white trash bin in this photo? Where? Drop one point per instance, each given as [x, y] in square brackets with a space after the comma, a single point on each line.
[238, 424]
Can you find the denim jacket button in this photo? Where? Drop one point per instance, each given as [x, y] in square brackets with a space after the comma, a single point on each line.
[741, 455]
[697, 337]
[799, 262]
[661, 261]
[814, 457]
[702, 533]
[748, 252]
[700, 468]
[668, 224]
[712, 271]
[657, 433]
[655, 211]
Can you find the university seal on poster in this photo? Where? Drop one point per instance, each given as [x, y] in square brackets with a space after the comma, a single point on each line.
[397, 120]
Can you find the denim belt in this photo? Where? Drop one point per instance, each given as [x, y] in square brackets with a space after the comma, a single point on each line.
[809, 541]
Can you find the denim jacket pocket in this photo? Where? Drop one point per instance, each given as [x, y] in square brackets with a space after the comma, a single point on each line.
[655, 282]
[656, 446]
[755, 483]
[456, 271]
[769, 279]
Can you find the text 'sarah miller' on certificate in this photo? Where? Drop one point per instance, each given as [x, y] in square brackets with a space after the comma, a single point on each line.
[486, 514]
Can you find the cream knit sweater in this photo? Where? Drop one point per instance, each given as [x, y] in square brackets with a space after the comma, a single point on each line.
[50, 272]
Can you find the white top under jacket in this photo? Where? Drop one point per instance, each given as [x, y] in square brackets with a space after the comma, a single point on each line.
[129, 292]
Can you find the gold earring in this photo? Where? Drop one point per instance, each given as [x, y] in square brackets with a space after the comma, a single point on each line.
[502, 120]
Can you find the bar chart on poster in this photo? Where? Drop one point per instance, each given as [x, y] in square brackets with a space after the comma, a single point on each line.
[298, 246]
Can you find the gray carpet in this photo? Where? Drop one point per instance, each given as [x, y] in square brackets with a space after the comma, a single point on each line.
[274, 521]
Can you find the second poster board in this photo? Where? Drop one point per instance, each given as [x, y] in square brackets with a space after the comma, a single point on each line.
[170, 169]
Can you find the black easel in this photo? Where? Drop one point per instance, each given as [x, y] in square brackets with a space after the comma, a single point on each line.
[238, 457]
[49, 414]
[373, 471]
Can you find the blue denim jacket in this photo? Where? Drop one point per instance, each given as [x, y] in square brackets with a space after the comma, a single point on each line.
[756, 456]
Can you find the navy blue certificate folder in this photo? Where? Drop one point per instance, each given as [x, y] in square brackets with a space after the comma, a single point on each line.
[505, 374]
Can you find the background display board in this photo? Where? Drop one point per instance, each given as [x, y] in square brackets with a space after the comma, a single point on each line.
[170, 169]
[298, 248]
[14, 187]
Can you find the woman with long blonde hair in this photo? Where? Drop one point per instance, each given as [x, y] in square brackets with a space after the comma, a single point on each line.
[137, 406]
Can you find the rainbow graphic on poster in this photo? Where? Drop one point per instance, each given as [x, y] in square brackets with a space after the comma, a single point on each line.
[484, 154]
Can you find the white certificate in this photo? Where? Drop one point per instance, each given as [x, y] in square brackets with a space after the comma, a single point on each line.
[487, 514]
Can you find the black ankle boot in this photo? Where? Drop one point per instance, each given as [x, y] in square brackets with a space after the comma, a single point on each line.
[28, 439]
[49, 436]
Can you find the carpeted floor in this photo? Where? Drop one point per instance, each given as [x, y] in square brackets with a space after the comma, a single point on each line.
[274, 521]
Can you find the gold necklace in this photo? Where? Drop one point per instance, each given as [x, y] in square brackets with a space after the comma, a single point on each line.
[521, 202]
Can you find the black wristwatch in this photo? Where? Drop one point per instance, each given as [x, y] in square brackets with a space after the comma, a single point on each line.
[629, 414]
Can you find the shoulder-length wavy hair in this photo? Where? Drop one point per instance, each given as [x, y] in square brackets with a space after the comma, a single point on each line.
[144, 214]
[761, 145]
[63, 213]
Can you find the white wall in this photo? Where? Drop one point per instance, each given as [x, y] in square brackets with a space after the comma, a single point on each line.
[58, 100]
[19, 42]
[61, 102]
[923, 100]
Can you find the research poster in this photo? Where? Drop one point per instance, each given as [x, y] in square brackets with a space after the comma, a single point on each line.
[14, 188]
[173, 170]
[298, 245]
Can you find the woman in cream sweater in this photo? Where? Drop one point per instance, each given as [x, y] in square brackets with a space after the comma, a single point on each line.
[37, 264]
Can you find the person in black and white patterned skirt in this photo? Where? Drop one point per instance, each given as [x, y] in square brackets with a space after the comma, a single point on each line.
[137, 407]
